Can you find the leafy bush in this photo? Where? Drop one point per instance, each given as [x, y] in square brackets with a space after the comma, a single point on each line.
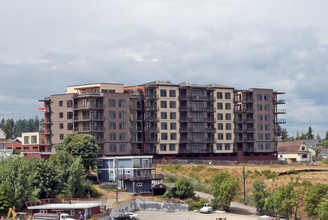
[325, 160]
[192, 175]
[197, 168]
[196, 204]
[185, 188]
[269, 174]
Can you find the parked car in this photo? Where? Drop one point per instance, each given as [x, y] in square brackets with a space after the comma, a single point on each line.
[121, 217]
[133, 216]
[206, 208]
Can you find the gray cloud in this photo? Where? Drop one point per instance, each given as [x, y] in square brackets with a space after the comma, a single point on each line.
[45, 47]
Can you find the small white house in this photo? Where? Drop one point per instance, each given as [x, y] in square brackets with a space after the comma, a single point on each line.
[294, 151]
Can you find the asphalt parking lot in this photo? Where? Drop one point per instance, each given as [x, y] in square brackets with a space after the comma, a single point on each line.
[162, 215]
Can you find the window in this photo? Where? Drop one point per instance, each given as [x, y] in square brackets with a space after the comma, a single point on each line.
[260, 127]
[111, 114]
[267, 107]
[173, 115]
[267, 136]
[267, 127]
[267, 117]
[163, 115]
[173, 126]
[121, 114]
[122, 136]
[69, 126]
[260, 136]
[220, 116]
[163, 104]
[172, 147]
[112, 136]
[259, 97]
[218, 146]
[260, 117]
[266, 97]
[112, 125]
[304, 156]
[121, 103]
[228, 136]
[163, 147]
[173, 104]
[122, 147]
[259, 107]
[61, 115]
[163, 92]
[260, 146]
[227, 146]
[219, 105]
[220, 126]
[227, 95]
[164, 136]
[33, 139]
[172, 93]
[164, 126]
[219, 95]
[228, 126]
[173, 136]
[228, 116]
[61, 136]
[228, 106]
[111, 102]
[122, 125]
[69, 115]
[69, 103]
[61, 125]
[112, 147]
[220, 136]
[303, 148]
[268, 146]
[60, 103]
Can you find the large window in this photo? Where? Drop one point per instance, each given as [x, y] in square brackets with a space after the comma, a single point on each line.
[69, 103]
[121, 114]
[228, 106]
[122, 147]
[173, 136]
[163, 115]
[228, 126]
[69, 126]
[164, 126]
[163, 104]
[111, 102]
[112, 136]
[173, 126]
[112, 147]
[69, 115]
[227, 95]
[259, 107]
[60, 103]
[61, 115]
[163, 92]
[228, 136]
[122, 136]
[121, 103]
[218, 146]
[172, 93]
[266, 97]
[173, 115]
[112, 125]
[164, 136]
[220, 126]
[173, 104]
[228, 116]
[33, 139]
[163, 147]
[219, 105]
[122, 125]
[111, 114]
[220, 116]
[172, 147]
[227, 146]
[61, 125]
[219, 95]
[259, 97]
[220, 136]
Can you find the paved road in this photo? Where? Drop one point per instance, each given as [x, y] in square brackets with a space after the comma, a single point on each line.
[235, 207]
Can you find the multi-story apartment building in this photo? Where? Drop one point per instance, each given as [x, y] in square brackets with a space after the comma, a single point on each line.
[169, 120]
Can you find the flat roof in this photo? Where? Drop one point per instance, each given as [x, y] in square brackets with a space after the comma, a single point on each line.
[125, 157]
[66, 206]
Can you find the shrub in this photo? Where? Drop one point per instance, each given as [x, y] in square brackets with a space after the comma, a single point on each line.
[185, 188]
[269, 174]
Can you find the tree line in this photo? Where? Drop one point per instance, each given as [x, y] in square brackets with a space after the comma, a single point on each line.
[14, 128]
[288, 200]
[63, 175]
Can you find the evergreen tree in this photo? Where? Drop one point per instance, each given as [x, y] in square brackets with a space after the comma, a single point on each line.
[318, 137]
[76, 178]
[297, 136]
[309, 134]
[326, 137]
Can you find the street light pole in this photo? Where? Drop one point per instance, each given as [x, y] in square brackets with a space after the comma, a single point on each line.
[245, 193]
[116, 161]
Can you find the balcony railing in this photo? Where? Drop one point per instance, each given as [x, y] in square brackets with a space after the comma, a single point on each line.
[280, 101]
[280, 121]
[151, 108]
[195, 150]
[152, 119]
[152, 96]
[280, 111]
[143, 177]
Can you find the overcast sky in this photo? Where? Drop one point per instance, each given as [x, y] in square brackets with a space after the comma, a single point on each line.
[48, 45]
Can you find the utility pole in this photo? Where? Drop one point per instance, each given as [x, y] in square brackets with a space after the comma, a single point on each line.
[245, 193]
[116, 161]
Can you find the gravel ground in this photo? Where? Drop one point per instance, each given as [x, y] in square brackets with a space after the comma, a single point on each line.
[162, 215]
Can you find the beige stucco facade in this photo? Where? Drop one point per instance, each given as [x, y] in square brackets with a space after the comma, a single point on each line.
[224, 137]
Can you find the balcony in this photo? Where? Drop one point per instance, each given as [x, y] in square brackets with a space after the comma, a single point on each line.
[136, 141]
[152, 140]
[134, 129]
[246, 100]
[184, 140]
[88, 130]
[210, 130]
[201, 98]
[183, 108]
[151, 108]
[202, 109]
[184, 119]
[247, 110]
[249, 130]
[280, 121]
[143, 177]
[151, 96]
[280, 111]
[151, 119]
[280, 101]
[135, 107]
[195, 150]
[151, 130]
[93, 107]
[183, 97]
